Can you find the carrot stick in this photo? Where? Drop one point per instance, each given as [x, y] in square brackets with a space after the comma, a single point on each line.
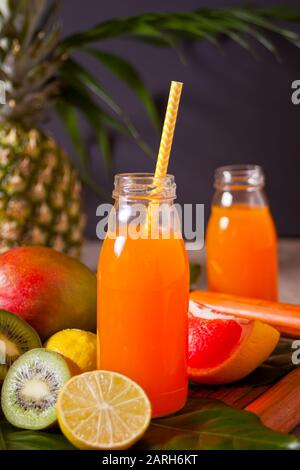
[284, 317]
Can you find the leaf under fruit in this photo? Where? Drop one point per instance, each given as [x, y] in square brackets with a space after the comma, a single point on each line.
[15, 439]
[208, 424]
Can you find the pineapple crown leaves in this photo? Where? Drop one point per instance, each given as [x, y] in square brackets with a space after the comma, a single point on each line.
[39, 69]
[29, 58]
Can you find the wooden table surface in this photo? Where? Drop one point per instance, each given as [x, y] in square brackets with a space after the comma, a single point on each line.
[289, 266]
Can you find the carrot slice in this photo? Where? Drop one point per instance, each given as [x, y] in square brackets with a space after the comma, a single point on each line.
[284, 317]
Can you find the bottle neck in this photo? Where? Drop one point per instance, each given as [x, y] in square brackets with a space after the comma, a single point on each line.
[239, 185]
[143, 188]
[144, 207]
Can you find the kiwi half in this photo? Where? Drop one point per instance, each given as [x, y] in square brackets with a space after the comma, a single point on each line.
[16, 338]
[30, 389]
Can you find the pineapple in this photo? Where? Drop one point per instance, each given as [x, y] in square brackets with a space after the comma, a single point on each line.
[40, 191]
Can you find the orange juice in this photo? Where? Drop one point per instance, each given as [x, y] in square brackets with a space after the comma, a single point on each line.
[241, 248]
[142, 316]
[143, 291]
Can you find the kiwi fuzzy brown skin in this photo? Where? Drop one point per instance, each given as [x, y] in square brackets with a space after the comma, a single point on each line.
[16, 338]
[30, 389]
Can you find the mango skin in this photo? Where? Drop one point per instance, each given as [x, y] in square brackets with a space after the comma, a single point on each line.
[48, 289]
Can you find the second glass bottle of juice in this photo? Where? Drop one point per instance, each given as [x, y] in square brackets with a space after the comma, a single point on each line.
[241, 242]
[143, 285]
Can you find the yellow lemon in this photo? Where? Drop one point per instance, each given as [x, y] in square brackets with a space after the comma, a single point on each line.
[103, 410]
[78, 346]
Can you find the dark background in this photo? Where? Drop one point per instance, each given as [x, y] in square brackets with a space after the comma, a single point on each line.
[235, 109]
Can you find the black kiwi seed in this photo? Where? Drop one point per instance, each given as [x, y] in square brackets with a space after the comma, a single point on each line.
[41, 374]
[16, 338]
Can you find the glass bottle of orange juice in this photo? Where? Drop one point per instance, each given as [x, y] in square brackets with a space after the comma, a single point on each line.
[241, 242]
[143, 288]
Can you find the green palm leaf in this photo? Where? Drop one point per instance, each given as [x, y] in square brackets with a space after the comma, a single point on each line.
[104, 143]
[159, 29]
[252, 18]
[102, 134]
[76, 76]
[167, 28]
[127, 73]
[139, 25]
[70, 119]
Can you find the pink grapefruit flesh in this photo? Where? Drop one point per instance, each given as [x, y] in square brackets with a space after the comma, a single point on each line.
[224, 349]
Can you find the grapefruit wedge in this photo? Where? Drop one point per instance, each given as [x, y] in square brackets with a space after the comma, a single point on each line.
[223, 348]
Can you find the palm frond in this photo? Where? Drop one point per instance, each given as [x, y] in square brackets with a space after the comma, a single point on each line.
[104, 142]
[280, 12]
[241, 25]
[69, 116]
[128, 74]
[76, 76]
[169, 28]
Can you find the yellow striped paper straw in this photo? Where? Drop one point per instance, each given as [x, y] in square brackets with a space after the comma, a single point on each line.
[166, 139]
[168, 131]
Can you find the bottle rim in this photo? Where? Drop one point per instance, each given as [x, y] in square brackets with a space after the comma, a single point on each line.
[144, 186]
[239, 177]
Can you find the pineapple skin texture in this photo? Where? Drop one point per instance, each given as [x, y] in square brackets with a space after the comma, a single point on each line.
[40, 193]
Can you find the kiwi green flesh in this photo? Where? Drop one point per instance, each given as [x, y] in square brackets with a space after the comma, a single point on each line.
[31, 387]
[16, 338]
